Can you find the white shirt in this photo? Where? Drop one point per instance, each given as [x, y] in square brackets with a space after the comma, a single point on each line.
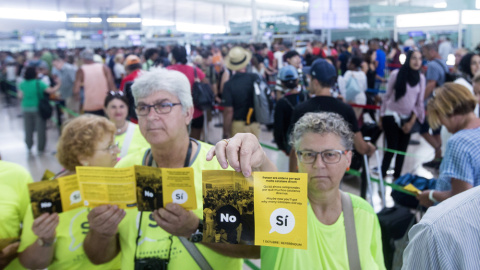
[445, 49]
[279, 56]
[118, 69]
[448, 236]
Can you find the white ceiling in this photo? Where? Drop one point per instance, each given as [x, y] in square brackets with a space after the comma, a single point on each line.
[211, 12]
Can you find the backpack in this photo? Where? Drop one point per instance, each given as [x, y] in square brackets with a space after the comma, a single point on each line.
[352, 89]
[261, 104]
[449, 77]
[202, 94]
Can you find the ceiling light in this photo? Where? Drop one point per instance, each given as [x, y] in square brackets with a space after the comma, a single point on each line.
[440, 5]
[415, 20]
[124, 20]
[33, 15]
[147, 22]
[201, 28]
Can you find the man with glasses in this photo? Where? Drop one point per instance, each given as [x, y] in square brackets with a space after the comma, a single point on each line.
[321, 77]
[154, 239]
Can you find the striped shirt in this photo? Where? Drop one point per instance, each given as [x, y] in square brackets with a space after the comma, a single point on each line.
[448, 236]
[461, 160]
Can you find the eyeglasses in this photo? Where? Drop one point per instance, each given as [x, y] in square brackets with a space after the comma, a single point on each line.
[111, 148]
[160, 108]
[114, 93]
[328, 156]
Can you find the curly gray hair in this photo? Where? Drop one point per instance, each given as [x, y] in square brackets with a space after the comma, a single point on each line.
[321, 123]
[160, 79]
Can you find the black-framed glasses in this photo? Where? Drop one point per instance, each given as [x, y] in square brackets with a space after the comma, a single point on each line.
[160, 108]
[328, 156]
[111, 148]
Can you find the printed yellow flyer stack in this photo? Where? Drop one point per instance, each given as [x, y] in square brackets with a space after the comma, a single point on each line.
[99, 185]
[267, 209]
[58, 195]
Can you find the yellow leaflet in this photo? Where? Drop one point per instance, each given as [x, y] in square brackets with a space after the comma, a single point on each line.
[412, 189]
[179, 187]
[70, 192]
[7, 241]
[45, 197]
[149, 188]
[228, 210]
[47, 175]
[100, 185]
[281, 209]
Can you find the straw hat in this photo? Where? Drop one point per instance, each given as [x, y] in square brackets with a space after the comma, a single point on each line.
[237, 58]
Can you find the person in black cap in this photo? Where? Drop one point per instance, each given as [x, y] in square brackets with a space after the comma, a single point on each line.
[321, 76]
[284, 108]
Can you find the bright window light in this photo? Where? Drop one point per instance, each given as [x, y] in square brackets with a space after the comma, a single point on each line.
[477, 4]
[32, 15]
[147, 22]
[201, 28]
[124, 20]
[440, 5]
[402, 58]
[85, 20]
[416, 20]
[471, 17]
[451, 60]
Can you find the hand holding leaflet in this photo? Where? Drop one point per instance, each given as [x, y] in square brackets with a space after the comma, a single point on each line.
[176, 220]
[104, 219]
[243, 153]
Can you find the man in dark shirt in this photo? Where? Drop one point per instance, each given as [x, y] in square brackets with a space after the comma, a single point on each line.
[343, 58]
[237, 97]
[322, 77]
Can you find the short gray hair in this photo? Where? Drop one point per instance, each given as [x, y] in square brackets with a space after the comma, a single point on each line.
[160, 79]
[322, 123]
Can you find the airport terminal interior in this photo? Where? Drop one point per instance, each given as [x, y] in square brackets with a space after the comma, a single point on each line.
[403, 76]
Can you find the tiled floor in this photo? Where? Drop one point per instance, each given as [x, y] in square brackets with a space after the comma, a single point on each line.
[13, 148]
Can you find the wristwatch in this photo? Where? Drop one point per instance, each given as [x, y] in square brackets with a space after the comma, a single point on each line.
[42, 242]
[197, 236]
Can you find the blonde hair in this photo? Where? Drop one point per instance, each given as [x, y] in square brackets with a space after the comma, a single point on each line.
[119, 58]
[449, 99]
[80, 137]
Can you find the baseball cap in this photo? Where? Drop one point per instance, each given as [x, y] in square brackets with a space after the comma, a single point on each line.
[287, 73]
[323, 71]
[132, 59]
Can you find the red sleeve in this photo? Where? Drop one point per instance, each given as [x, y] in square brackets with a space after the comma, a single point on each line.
[122, 84]
[200, 74]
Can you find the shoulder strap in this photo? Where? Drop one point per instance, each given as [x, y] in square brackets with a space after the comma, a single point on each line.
[39, 93]
[289, 103]
[440, 63]
[351, 234]
[127, 140]
[195, 253]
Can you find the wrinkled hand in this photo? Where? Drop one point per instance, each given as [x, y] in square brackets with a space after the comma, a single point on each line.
[104, 219]
[423, 199]
[243, 152]
[8, 254]
[44, 227]
[175, 220]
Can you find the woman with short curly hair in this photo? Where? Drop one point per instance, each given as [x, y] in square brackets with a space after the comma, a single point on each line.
[53, 240]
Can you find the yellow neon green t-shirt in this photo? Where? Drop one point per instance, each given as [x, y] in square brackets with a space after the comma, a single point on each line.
[71, 231]
[14, 201]
[154, 241]
[327, 246]
[137, 143]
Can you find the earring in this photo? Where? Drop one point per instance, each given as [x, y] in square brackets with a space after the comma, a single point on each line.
[348, 169]
[85, 164]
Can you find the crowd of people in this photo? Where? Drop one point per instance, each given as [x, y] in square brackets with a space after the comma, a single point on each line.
[137, 108]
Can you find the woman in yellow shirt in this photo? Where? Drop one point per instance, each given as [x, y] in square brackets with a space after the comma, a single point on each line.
[55, 240]
[127, 134]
